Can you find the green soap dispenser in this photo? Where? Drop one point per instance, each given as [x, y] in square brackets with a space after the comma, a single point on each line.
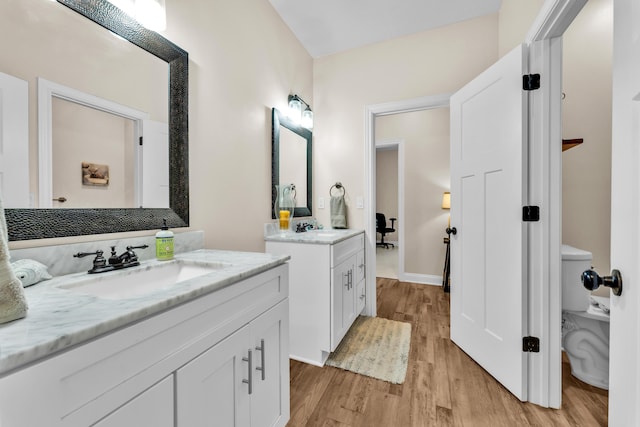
[164, 243]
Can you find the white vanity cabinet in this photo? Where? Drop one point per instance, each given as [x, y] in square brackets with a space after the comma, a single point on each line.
[327, 288]
[183, 367]
[238, 382]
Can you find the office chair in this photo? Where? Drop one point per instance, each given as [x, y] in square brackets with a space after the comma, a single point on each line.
[381, 227]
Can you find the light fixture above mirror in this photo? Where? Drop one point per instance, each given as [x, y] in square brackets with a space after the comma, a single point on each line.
[296, 113]
[151, 14]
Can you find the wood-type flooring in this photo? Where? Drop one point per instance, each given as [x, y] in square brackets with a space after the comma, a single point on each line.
[443, 387]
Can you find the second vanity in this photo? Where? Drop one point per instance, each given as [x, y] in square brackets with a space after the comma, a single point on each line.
[326, 290]
[211, 351]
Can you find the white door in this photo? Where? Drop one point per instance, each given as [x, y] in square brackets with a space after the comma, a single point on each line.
[624, 357]
[155, 165]
[14, 142]
[488, 191]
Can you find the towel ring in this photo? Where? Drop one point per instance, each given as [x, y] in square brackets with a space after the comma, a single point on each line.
[339, 186]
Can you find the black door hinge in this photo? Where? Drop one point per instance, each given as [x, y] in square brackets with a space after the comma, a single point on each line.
[140, 142]
[531, 81]
[531, 213]
[531, 344]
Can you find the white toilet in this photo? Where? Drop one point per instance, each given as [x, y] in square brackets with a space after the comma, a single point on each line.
[585, 321]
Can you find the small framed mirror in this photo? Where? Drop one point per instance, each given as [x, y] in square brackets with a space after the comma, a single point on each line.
[291, 162]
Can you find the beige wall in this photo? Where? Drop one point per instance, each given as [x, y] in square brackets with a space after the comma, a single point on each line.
[515, 20]
[426, 177]
[428, 63]
[586, 169]
[387, 188]
[243, 61]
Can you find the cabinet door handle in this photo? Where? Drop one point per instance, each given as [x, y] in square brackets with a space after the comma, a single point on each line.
[261, 350]
[249, 381]
[347, 276]
[351, 279]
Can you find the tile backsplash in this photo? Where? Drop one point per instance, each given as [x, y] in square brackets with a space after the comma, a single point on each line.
[60, 261]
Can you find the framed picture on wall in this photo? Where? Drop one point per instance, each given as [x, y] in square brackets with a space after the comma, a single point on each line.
[95, 174]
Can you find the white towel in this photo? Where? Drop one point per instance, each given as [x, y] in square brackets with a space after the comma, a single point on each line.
[338, 212]
[13, 304]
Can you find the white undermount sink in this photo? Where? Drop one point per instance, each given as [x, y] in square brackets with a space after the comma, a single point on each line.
[140, 280]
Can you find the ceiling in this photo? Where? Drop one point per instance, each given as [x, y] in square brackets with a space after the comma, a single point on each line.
[325, 27]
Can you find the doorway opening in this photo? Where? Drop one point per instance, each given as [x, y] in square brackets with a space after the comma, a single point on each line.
[586, 176]
[389, 192]
[374, 112]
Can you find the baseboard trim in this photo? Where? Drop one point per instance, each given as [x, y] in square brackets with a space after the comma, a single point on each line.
[424, 279]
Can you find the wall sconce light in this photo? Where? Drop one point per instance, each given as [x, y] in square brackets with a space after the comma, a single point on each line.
[446, 204]
[304, 117]
[151, 14]
[446, 200]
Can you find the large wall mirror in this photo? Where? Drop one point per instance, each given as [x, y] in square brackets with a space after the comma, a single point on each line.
[145, 72]
[291, 161]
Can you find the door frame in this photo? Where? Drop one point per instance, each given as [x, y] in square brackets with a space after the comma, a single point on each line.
[371, 112]
[545, 190]
[47, 90]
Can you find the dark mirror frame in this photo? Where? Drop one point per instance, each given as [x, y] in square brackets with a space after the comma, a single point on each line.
[278, 119]
[27, 224]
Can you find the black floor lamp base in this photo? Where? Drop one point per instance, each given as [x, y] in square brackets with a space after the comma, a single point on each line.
[447, 267]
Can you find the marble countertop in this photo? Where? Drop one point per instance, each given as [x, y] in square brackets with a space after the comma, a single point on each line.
[327, 236]
[60, 318]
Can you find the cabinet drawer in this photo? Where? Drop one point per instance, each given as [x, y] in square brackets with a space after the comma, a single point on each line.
[343, 250]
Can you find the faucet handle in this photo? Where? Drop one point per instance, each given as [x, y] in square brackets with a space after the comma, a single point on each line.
[132, 255]
[137, 247]
[84, 254]
[98, 261]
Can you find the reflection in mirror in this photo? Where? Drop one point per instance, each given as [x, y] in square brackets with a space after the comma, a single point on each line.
[26, 224]
[78, 128]
[291, 161]
[93, 158]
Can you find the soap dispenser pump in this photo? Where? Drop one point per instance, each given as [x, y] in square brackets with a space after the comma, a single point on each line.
[164, 243]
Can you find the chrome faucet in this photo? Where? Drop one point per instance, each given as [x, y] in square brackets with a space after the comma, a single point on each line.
[116, 262]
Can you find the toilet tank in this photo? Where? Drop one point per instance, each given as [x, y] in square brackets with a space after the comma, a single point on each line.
[574, 261]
